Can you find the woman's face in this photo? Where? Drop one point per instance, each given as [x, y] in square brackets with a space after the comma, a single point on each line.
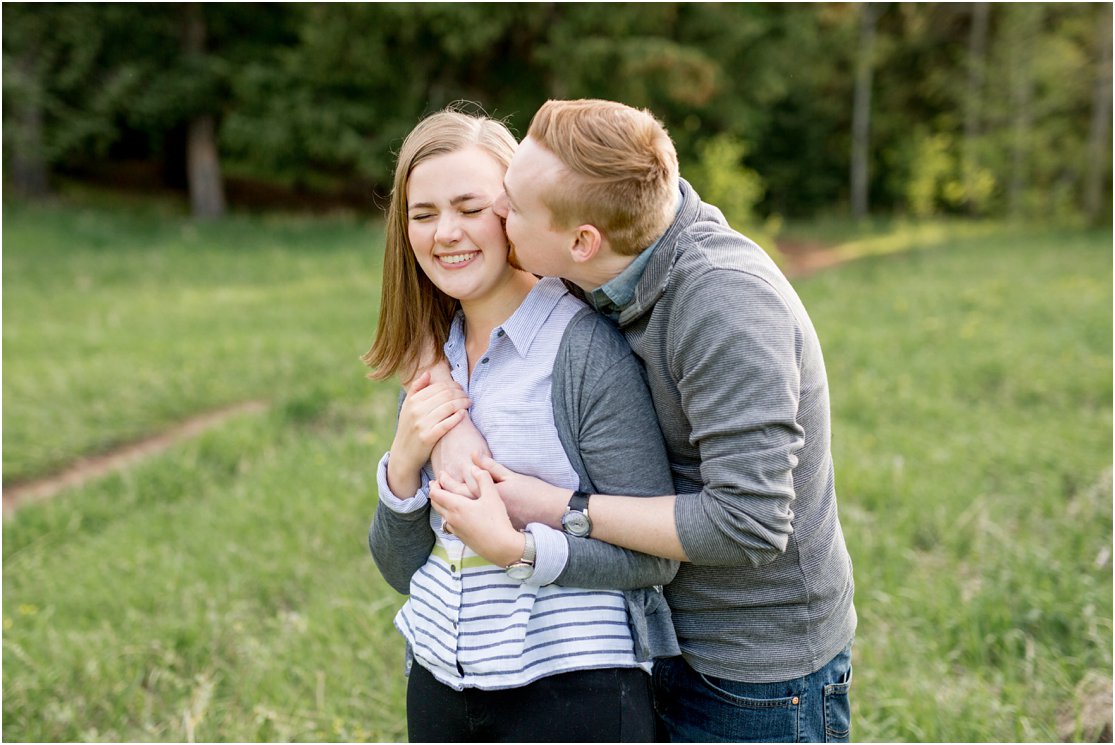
[456, 237]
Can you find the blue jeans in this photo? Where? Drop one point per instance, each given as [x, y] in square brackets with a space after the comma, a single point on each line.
[701, 708]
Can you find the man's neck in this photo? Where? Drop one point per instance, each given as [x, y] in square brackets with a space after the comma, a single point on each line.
[601, 271]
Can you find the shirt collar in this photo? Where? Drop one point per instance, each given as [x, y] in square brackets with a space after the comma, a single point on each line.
[524, 324]
[613, 296]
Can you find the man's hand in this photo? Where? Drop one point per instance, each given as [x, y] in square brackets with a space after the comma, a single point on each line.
[639, 523]
[480, 521]
[528, 500]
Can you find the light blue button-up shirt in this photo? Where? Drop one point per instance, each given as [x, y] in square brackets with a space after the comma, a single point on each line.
[456, 595]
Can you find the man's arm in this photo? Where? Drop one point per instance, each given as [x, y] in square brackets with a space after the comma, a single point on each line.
[644, 524]
[736, 369]
[736, 361]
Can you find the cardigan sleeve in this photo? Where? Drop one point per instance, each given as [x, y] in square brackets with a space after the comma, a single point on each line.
[608, 427]
[400, 537]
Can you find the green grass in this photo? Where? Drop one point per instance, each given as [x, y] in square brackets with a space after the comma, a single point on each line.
[971, 391]
[116, 327]
[222, 590]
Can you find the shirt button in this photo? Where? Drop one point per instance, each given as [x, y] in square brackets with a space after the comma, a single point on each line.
[484, 361]
[500, 333]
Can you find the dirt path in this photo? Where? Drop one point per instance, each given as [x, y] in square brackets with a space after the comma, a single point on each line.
[804, 258]
[85, 469]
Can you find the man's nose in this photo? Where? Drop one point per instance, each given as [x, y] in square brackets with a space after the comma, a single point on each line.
[500, 205]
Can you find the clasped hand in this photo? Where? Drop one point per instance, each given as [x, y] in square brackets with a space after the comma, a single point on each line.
[502, 501]
[477, 516]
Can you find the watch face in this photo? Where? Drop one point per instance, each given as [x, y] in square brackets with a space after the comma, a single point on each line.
[520, 572]
[576, 523]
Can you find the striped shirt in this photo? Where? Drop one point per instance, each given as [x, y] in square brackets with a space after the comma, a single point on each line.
[466, 621]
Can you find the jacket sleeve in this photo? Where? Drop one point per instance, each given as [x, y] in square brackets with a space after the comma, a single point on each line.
[608, 427]
[736, 362]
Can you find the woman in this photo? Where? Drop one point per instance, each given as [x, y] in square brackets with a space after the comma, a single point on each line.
[534, 635]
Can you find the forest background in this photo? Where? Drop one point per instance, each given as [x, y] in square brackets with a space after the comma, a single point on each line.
[790, 109]
[192, 256]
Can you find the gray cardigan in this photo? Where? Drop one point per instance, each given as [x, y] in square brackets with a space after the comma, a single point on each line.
[739, 384]
[608, 429]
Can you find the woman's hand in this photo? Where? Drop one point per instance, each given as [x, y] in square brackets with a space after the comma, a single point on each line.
[428, 412]
[480, 521]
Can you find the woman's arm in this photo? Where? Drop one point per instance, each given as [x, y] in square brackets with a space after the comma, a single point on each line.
[400, 542]
[604, 413]
[400, 537]
[453, 452]
[609, 431]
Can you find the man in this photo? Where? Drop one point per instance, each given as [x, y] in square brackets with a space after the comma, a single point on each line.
[762, 603]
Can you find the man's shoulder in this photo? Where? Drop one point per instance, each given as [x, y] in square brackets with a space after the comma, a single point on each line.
[715, 262]
[709, 246]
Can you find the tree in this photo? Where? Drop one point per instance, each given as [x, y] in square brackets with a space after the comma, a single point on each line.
[964, 107]
[1098, 159]
[1025, 20]
[50, 112]
[977, 74]
[203, 168]
[861, 108]
[25, 150]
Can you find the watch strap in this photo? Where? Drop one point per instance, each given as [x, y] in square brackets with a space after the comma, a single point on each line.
[530, 552]
[579, 501]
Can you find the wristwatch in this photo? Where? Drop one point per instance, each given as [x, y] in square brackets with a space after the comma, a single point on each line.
[575, 521]
[523, 569]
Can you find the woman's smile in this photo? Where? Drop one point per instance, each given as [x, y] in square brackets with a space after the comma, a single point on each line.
[457, 261]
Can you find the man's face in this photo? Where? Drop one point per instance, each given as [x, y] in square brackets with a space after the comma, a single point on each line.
[536, 245]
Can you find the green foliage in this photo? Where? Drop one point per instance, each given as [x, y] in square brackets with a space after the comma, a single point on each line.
[721, 178]
[938, 181]
[222, 591]
[317, 97]
[1029, 152]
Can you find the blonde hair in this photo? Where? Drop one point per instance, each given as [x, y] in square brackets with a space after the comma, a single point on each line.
[623, 170]
[413, 311]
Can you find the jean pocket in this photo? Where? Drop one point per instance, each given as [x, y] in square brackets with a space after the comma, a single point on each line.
[838, 710]
[756, 718]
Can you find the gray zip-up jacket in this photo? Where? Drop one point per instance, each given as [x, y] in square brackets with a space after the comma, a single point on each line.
[739, 385]
[607, 427]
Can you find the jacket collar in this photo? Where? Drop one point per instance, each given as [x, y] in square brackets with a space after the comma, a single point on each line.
[656, 276]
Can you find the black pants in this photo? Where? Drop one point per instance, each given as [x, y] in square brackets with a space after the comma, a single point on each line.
[611, 705]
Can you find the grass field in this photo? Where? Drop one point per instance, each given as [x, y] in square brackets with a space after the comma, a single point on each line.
[222, 590]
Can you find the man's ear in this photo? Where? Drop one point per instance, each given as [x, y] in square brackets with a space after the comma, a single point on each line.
[587, 243]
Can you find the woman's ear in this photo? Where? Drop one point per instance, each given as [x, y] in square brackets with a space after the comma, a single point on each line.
[587, 243]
